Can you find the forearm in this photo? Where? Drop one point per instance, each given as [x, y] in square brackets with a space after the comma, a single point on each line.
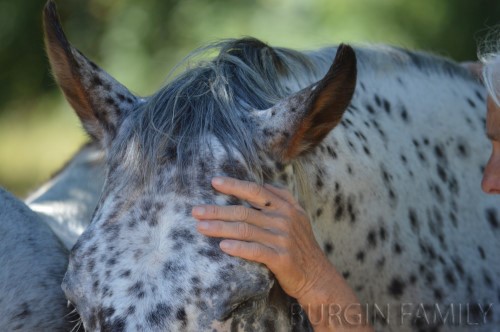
[333, 306]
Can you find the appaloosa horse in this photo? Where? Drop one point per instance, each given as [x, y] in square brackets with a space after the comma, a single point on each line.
[384, 148]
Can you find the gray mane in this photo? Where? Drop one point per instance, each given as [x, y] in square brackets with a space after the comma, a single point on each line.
[213, 98]
[403, 60]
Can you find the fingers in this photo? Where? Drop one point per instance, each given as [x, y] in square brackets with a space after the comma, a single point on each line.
[230, 213]
[251, 192]
[236, 230]
[284, 194]
[249, 250]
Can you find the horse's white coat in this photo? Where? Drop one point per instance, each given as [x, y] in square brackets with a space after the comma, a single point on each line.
[393, 190]
[399, 203]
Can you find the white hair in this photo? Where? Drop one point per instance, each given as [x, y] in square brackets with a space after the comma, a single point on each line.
[489, 54]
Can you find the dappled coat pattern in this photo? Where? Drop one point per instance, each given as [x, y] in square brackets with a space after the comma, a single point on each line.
[383, 147]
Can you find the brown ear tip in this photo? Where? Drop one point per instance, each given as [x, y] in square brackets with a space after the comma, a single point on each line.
[52, 25]
[50, 10]
[345, 50]
[50, 18]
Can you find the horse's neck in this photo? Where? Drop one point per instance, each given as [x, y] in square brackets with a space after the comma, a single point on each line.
[67, 201]
[390, 87]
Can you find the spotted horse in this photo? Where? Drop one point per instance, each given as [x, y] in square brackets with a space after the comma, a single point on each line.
[383, 147]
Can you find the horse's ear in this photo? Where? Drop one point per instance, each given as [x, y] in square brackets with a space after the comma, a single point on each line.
[300, 122]
[98, 99]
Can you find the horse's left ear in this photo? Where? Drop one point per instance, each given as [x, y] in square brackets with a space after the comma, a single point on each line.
[300, 122]
[99, 100]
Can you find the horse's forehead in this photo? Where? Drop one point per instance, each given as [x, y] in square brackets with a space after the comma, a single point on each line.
[207, 149]
[164, 201]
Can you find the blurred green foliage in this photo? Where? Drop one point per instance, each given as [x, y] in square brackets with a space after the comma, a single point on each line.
[138, 42]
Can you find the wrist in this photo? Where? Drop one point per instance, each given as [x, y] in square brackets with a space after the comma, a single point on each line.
[331, 304]
[319, 291]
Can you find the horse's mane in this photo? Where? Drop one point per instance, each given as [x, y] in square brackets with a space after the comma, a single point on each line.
[403, 60]
[213, 97]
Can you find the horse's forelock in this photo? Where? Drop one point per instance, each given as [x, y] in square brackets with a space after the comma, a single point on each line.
[212, 99]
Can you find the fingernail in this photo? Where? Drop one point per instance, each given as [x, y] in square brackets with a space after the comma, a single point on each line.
[217, 181]
[202, 225]
[225, 245]
[198, 210]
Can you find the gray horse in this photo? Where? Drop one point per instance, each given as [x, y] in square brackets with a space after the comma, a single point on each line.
[383, 147]
[34, 257]
[32, 262]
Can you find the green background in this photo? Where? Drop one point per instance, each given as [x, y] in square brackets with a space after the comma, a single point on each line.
[138, 42]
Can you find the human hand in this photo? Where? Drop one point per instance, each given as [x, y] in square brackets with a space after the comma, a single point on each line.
[275, 232]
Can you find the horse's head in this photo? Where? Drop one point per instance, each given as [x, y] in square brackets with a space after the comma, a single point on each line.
[141, 264]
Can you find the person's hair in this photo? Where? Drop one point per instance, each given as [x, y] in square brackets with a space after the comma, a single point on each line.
[489, 54]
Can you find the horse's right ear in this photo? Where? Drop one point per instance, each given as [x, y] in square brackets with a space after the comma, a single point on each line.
[298, 123]
[99, 100]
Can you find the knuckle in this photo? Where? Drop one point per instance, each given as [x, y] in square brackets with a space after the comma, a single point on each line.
[243, 230]
[240, 213]
[254, 189]
[257, 252]
[212, 210]
[288, 209]
[283, 240]
[281, 221]
[284, 225]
